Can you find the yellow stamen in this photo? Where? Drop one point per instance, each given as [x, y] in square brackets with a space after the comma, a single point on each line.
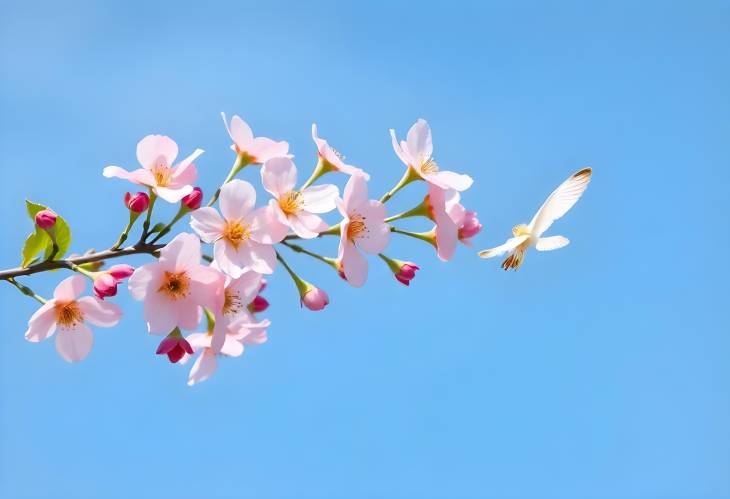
[232, 303]
[291, 202]
[162, 174]
[236, 233]
[68, 314]
[429, 166]
[356, 226]
[175, 285]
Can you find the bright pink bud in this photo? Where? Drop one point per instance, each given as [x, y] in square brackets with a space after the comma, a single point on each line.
[138, 202]
[193, 200]
[121, 271]
[315, 299]
[259, 304]
[470, 227]
[105, 285]
[406, 273]
[45, 219]
[175, 347]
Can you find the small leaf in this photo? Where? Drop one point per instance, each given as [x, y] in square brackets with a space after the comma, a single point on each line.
[61, 229]
[157, 228]
[34, 244]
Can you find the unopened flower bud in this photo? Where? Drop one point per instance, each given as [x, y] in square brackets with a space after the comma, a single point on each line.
[193, 200]
[406, 273]
[45, 219]
[174, 346]
[121, 271]
[138, 202]
[259, 304]
[105, 285]
[315, 299]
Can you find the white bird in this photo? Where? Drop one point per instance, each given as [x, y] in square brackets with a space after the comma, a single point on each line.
[557, 204]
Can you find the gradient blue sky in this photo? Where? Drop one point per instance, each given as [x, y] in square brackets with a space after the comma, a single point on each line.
[600, 370]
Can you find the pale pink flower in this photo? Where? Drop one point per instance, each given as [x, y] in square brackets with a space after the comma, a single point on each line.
[175, 287]
[297, 209]
[255, 150]
[233, 346]
[466, 220]
[239, 293]
[242, 237]
[363, 227]
[332, 159]
[68, 313]
[156, 154]
[445, 234]
[417, 154]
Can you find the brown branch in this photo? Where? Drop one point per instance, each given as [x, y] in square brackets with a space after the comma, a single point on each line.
[68, 263]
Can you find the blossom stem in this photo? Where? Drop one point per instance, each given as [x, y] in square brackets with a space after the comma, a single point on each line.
[239, 164]
[298, 281]
[209, 318]
[82, 271]
[180, 213]
[417, 211]
[27, 291]
[146, 224]
[409, 176]
[333, 230]
[319, 170]
[123, 236]
[423, 236]
[298, 249]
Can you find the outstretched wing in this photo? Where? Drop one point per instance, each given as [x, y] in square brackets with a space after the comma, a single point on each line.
[560, 201]
[551, 243]
[511, 244]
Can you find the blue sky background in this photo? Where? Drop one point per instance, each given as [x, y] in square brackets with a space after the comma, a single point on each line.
[600, 370]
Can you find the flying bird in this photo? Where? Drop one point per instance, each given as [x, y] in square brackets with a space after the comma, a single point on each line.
[557, 204]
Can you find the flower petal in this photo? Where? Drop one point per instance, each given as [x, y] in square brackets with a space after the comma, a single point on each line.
[279, 176]
[173, 195]
[206, 287]
[181, 253]
[203, 368]
[420, 145]
[207, 223]
[70, 288]
[199, 341]
[259, 257]
[74, 344]
[246, 286]
[266, 227]
[42, 323]
[264, 149]
[99, 312]
[307, 225]
[144, 277]
[184, 174]
[153, 147]
[237, 199]
[231, 347]
[159, 314]
[320, 198]
[403, 155]
[354, 265]
[356, 193]
[240, 132]
[139, 176]
[450, 180]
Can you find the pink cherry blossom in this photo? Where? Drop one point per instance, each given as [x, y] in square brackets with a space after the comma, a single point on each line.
[175, 287]
[242, 237]
[156, 154]
[297, 209]
[256, 150]
[239, 293]
[68, 314]
[333, 160]
[363, 227]
[445, 234]
[417, 154]
[466, 220]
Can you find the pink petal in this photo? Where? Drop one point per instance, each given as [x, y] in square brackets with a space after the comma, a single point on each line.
[184, 174]
[237, 199]
[70, 288]
[207, 223]
[263, 149]
[354, 265]
[74, 344]
[246, 286]
[307, 225]
[203, 368]
[266, 228]
[376, 239]
[259, 257]
[181, 253]
[42, 323]
[99, 312]
[206, 287]
[153, 147]
[139, 176]
[403, 155]
[144, 277]
[356, 193]
[199, 341]
[159, 314]
[231, 347]
[166, 345]
[240, 132]
[447, 234]
[420, 145]
[219, 336]
[279, 176]
[227, 259]
[450, 180]
[173, 195]
[320, 198]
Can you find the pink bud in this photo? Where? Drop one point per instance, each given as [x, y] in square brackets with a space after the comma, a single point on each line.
[121, 271]
[315, 299]
[470, 227]
[105, 285]
[138, 202]
[259, 304]
[406, 273]
[193, 200]
[175, 347]
[45, 219]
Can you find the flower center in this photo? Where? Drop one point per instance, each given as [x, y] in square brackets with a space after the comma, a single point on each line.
[68, 314]
[232, 303]
[236, 233]
[356, 226]
[429, 166]
[175, 285]
[291, 202]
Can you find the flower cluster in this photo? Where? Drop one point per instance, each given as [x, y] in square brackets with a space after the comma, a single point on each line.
[202, 290]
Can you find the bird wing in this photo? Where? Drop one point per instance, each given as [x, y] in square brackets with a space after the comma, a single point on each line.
[551, 243]
[560, 201]
[511, 244]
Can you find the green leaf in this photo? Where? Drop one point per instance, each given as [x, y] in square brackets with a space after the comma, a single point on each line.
[34, 244]
[61, 229]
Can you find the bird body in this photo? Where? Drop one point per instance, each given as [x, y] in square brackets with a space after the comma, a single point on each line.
[557, 204]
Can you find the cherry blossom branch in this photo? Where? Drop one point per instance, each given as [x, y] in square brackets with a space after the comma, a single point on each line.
[69, 263]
